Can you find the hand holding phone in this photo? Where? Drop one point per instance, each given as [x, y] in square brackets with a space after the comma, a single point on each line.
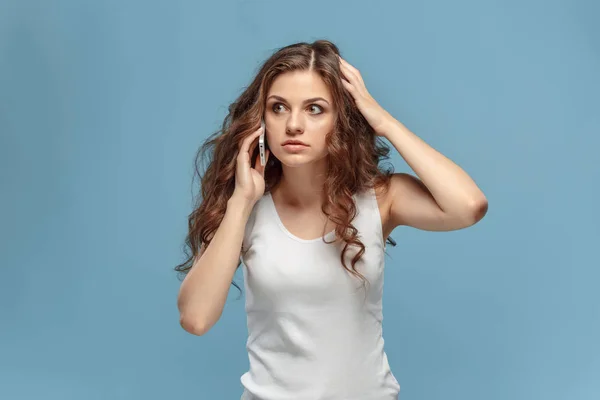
[249, 175]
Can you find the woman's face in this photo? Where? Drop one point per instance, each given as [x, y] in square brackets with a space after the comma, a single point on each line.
[293, 112]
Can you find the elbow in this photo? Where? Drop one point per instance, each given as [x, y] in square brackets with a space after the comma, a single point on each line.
[477, 209]
[195, 326]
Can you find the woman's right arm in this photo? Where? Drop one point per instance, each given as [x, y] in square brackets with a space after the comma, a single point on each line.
[204, 290]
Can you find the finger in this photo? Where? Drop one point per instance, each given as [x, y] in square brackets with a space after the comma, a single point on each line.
[348, 86]
[245, 146]
[354, 80]
[246, 156]
[253, 146]
[347, 74]
[352, 69]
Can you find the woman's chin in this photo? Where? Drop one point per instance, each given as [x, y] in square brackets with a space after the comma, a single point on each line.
[294, 160]
[294, 163]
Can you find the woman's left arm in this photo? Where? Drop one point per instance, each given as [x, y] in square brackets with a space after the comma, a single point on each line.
[443, 197]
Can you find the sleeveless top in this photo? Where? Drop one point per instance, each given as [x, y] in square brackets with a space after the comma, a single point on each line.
[314, 329]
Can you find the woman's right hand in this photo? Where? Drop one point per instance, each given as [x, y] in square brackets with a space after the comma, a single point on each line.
[250, 182]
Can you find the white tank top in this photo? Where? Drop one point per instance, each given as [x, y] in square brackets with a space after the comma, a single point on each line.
[312, 333]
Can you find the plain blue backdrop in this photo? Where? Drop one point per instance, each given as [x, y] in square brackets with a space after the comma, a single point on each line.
[103, 105]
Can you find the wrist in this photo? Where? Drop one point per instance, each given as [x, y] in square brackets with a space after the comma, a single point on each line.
[240, 203]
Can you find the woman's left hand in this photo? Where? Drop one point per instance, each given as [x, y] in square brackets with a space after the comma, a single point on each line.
[377, 117]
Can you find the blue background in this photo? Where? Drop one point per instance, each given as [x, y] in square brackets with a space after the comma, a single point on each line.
[103, 105]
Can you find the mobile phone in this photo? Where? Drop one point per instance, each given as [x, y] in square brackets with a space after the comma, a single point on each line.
[261, 143]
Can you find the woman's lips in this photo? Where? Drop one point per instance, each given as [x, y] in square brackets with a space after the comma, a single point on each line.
[293, 147]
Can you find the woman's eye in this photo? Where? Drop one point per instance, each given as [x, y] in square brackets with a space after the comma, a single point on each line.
[314, 105]
[274, 107]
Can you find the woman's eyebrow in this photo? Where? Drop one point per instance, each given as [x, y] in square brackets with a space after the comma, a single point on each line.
[305, 101]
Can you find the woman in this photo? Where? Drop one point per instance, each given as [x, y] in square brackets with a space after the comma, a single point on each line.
[311, 224]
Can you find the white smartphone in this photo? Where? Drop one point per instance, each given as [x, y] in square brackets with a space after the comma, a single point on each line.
[261, 144]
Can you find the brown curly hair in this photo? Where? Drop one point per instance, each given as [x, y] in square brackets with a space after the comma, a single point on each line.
[354, 152]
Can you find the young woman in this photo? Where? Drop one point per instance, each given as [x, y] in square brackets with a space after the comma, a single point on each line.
[311, 225]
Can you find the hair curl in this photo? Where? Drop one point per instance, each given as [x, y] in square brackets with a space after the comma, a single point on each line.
[354, 152]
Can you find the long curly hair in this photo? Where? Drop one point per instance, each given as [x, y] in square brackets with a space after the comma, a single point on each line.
[355, 152]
